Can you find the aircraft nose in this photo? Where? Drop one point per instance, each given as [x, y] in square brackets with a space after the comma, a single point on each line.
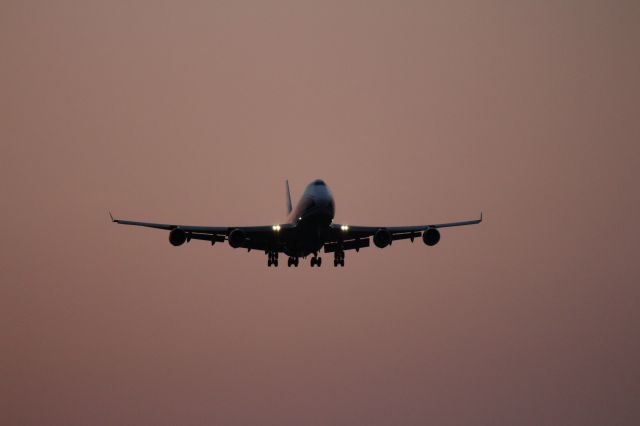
[326, 202]
[322, 195]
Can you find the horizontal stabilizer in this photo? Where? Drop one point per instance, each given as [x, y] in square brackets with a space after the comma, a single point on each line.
[346, 245]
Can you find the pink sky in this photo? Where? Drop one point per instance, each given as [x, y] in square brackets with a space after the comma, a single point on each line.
[413, 112]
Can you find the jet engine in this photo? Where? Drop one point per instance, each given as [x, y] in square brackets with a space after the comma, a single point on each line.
[236, 238]
[431, 236]
[382, 238]
[177, 237]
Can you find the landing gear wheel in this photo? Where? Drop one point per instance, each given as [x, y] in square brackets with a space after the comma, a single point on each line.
[319, 262]
[272, 258]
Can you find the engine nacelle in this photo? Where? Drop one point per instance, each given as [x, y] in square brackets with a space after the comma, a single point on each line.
[431, 236]
[382, 238]
[177, 237]
[236, 238]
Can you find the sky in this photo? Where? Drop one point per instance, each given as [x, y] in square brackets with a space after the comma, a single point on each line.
[413, 112]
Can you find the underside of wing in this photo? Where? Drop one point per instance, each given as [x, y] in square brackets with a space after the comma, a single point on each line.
[354, 236]
[250, 237]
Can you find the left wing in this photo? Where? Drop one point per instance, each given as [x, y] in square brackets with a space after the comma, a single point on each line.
[345, 233]
[251, 237]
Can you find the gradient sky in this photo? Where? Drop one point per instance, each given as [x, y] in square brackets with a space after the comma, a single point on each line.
[413, 112]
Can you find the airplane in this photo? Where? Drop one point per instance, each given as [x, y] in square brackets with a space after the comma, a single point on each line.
[309, 228]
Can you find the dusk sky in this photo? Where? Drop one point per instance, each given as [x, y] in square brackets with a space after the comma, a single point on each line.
[413, 112]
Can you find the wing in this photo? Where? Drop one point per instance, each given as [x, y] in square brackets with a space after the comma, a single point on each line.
[250, 237]
[358, 236]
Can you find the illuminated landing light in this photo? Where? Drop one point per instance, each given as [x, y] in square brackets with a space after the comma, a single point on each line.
[344, 227]
[276, 227]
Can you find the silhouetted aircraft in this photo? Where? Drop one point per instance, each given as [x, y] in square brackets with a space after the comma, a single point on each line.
[308, 229]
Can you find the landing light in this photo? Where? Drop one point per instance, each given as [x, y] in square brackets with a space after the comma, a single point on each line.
[344, 227]
[276, 227]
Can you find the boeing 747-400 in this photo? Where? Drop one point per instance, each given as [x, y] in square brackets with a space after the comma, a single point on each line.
[308, 229]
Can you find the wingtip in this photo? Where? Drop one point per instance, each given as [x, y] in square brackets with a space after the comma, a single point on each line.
[480, 216]
[111, 216]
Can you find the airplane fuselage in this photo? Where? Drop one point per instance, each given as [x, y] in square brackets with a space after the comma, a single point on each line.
[311, 218]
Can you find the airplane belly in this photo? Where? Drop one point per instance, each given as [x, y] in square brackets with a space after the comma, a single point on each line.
[309, 236]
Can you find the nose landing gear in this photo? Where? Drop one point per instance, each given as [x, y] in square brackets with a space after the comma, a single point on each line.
[316, 261]
[293, 261]
[272, 258]
[339, 258]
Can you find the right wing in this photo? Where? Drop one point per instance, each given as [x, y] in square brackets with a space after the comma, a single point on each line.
[254, 237]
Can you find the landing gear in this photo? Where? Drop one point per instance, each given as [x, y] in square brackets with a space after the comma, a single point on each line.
[316, 261]
[293, 261]
[339, 258]
[272, 258]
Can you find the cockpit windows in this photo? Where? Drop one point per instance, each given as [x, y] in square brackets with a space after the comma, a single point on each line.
[318, 182]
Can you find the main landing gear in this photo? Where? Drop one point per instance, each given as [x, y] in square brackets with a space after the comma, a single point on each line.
[339, 258]
[293, 261]
[316, 261]
[272, 258]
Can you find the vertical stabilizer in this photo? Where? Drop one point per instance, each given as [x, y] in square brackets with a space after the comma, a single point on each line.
[289, 207]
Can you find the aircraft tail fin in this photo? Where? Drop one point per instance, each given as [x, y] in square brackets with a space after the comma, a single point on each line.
[289, 206]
